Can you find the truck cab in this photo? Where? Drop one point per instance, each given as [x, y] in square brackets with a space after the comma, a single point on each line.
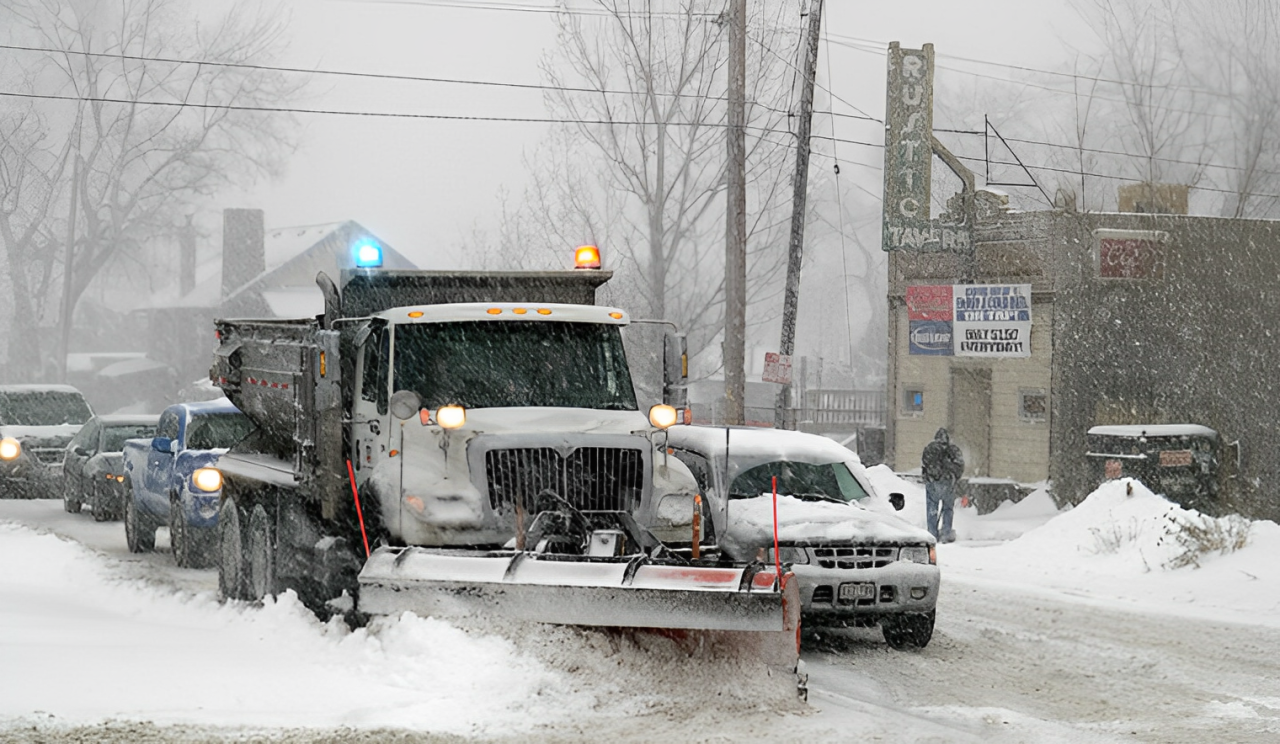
[542, 398]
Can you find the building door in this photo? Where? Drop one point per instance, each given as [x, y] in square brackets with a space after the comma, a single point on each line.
[971, 417]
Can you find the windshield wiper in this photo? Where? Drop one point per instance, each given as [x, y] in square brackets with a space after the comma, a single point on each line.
[822, 497]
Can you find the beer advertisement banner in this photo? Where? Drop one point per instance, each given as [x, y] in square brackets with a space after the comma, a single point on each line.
[929, 320]
[975, 320]
[992, 320]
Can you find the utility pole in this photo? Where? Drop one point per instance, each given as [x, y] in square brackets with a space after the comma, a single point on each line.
[64, 340]
[800, 186]
[735, 264]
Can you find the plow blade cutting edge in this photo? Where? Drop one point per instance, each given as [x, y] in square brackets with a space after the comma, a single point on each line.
[627, 594]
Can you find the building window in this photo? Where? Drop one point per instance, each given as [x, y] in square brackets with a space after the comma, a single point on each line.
[1033, 405]
[912, 400]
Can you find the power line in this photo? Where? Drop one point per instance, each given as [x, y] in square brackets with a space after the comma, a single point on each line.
[526, 8]
[828, 91]
[338, 73]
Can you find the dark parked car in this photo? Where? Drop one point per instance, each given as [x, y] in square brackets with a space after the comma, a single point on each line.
[93, 467]
[36, 423]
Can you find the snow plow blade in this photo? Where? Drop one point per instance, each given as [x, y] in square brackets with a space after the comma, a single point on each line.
[609, 593]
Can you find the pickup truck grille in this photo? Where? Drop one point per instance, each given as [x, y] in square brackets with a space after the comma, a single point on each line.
[48, 455]
[590, 478]
[858, 557]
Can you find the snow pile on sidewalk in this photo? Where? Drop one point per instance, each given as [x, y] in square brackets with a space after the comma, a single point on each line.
[82, 645]
[1008, 521]
[1125, 543]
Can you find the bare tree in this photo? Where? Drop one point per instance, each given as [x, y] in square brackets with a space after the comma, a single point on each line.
[146, 136]
[638, 165]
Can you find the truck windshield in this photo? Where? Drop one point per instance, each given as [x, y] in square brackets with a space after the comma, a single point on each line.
[492, 364]
[43, 408]
[217, 430]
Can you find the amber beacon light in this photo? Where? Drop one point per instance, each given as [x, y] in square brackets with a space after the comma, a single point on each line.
[586, 257]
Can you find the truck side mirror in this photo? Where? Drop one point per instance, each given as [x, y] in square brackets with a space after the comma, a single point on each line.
[897, 500]
[162, 444]
[405, 404]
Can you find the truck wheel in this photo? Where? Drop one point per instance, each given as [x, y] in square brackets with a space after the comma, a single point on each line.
[230, 551]
[139, 533]
[180, 536]
[100, 511]
[909, 630]
[72, 505]
[262, 556]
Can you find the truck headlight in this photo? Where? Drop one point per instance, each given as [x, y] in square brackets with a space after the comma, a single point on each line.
[789, 555]
[662, 416]
[451, 417]
[10, 448]
[917, 554]
[207, 479]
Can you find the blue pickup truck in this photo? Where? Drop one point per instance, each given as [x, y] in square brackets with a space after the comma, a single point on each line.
[170, 480]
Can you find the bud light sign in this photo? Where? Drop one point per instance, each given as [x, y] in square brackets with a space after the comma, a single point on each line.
[931, 337]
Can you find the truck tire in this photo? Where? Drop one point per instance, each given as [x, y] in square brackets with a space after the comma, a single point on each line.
[99, 510]
[230, 551]
[70, 504]
[139, 532]
[192, 546]
[909, 630]
[262, 582]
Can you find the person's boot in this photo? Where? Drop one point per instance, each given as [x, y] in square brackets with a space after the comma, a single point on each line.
[950, 537]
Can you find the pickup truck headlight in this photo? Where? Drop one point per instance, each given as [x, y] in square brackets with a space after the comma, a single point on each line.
[207, 479]
[790, 556]
[918, 554]
[10, 448]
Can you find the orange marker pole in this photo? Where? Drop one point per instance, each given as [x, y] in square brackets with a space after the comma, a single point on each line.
[697, 525]
[360, 516]
[777, 557]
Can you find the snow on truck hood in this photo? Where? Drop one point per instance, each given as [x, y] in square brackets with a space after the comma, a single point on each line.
[803, 522]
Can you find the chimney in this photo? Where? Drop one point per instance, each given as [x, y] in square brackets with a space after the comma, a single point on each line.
[187, 258]
[243, 252]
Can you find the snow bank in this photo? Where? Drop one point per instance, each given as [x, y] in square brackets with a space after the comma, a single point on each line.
[83, 645]
[1007, 522]
[1124, 543]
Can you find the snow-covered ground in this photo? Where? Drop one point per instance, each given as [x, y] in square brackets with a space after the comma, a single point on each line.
[1070, 626]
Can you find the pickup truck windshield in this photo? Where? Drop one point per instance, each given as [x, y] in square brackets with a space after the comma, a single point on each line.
[491, 364]
[803, 480]
[43, 408]
[217, 431]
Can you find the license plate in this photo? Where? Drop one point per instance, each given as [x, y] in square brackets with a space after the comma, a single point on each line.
[1175, 458]
[851, 592]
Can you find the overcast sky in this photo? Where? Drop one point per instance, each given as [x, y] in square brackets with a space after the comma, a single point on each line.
[422, 184]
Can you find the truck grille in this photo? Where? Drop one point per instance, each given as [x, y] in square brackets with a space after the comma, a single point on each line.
[857, 557]
[590, 478]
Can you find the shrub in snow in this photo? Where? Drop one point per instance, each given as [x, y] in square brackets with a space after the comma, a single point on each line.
[1194, 535]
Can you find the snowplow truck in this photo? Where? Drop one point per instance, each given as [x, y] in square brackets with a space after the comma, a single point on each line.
[469, 443]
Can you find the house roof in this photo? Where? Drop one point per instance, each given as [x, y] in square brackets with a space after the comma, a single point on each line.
[293, 256]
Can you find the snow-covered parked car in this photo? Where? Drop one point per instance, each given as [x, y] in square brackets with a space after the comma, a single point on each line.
[857, 562]
[171, 480]
[93, 465]
[36, 423]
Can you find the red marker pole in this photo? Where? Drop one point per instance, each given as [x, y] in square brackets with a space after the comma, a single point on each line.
[356, 495]
[777, 557]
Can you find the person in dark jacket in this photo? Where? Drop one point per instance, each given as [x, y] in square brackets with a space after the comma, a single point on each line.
[942, 464]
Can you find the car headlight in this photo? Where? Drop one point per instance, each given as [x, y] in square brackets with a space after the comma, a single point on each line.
[207, 479]
[10, 448]
[918, 554]
[790, 556]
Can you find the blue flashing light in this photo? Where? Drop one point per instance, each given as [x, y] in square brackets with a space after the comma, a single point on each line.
[368, 255]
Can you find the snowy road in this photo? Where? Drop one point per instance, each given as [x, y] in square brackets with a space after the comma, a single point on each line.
[1011, 661]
